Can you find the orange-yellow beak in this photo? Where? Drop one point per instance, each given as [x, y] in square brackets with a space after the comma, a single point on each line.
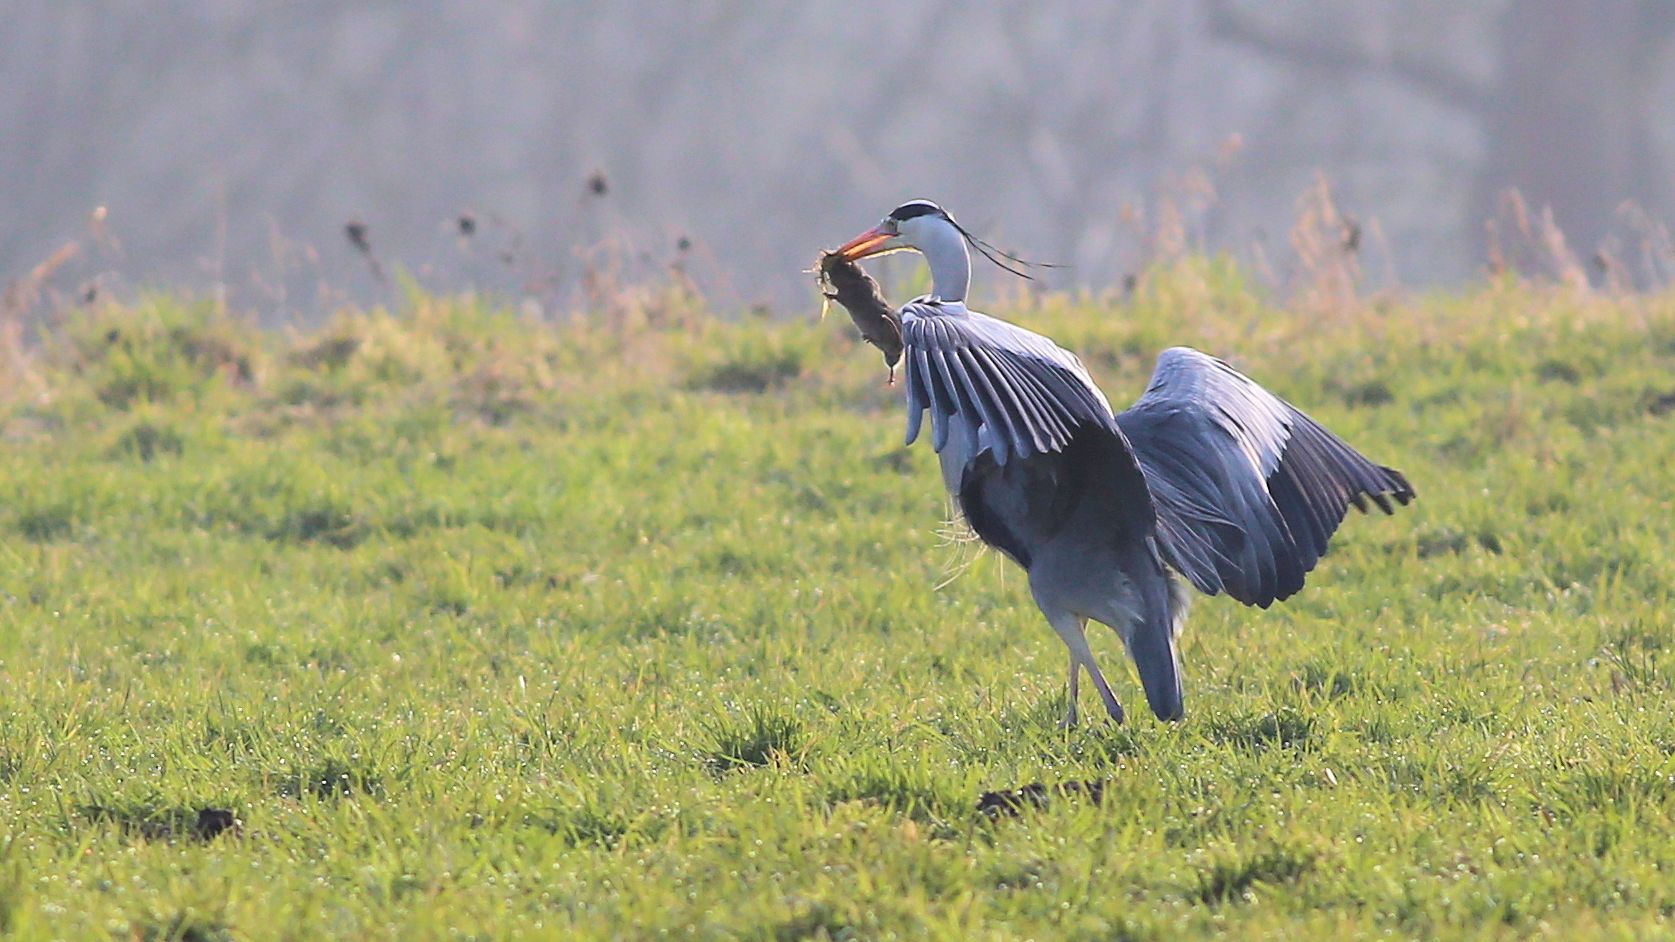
[865, 245]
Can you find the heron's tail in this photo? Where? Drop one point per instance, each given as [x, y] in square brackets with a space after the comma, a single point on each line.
[1152, 644]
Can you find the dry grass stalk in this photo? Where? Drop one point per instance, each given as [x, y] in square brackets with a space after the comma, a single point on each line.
[1327, 244]
[1532, 244]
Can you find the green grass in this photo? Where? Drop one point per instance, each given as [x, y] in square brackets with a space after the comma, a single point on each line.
[484, 628]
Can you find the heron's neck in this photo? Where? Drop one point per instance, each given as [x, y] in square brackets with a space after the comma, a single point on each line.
[950, 263]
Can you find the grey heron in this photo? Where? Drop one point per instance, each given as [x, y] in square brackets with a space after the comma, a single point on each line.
[1208, 477]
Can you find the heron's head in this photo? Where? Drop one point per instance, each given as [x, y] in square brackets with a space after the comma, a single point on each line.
[911, 226]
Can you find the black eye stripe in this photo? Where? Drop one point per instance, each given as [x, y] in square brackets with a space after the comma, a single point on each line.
[915, 209]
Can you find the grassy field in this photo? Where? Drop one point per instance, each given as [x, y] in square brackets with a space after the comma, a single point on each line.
[485, 628]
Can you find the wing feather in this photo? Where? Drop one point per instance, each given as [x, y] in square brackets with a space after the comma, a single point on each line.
[1046, 431]
[1016, 392]
[984, 403]
[942, 404]
[918, 399]
[1248, 489]
[1010, 421]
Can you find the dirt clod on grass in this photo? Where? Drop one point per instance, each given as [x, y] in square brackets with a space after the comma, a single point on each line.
[163, 824]
[1037, 795]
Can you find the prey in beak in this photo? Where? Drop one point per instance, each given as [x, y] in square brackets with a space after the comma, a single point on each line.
[843, 281]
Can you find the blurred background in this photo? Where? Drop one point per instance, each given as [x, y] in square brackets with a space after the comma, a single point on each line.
[293, 156]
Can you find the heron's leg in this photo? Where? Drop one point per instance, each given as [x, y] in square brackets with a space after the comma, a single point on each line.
[1072, 630]
[1075, 682]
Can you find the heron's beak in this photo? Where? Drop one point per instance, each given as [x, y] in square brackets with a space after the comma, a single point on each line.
[867, 244]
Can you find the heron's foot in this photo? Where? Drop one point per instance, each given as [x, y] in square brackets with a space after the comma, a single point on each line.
[1069, 721]
[1115, 710]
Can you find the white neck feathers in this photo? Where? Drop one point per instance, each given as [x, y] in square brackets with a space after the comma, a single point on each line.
[945, 252]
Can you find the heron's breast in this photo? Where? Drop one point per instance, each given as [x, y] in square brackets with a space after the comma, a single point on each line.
[1018, 507]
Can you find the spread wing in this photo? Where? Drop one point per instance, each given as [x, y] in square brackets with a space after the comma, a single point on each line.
[1017, 392]
[1248, 490]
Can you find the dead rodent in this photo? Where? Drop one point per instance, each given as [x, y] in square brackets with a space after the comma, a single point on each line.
[844, 282]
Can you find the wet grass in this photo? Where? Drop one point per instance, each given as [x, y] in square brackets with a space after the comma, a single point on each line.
[444, 623]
